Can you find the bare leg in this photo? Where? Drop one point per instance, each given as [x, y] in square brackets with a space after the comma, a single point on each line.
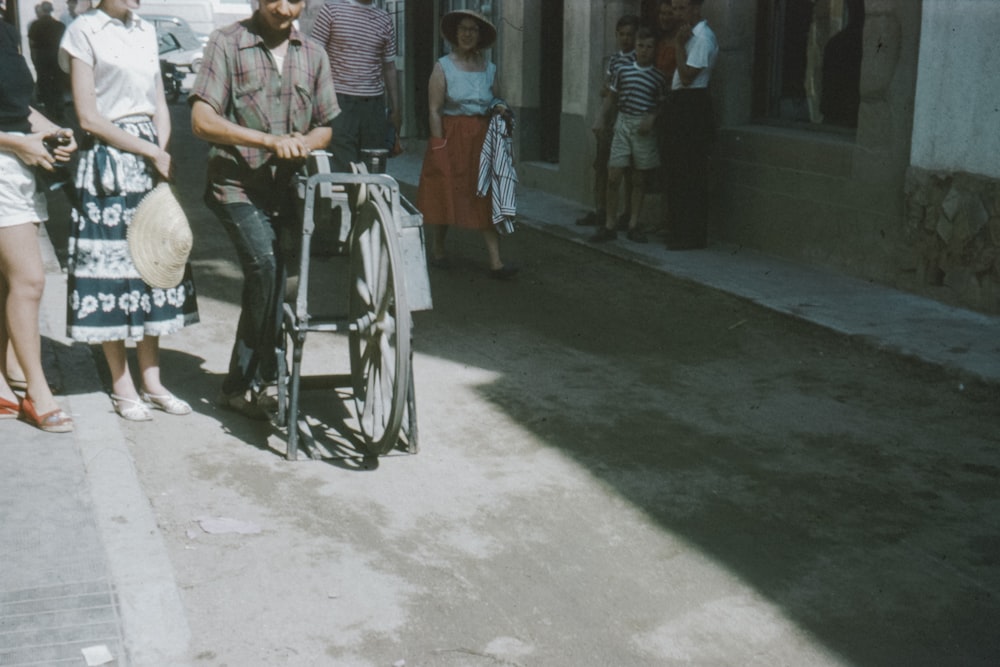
[13, 368]
[438, 232]
[601, 188]
[6, 392]
[493, 247]
[148, 354]
[121, 380]
[628, 178]
[614, 184]
[24, 277]
[636, 195]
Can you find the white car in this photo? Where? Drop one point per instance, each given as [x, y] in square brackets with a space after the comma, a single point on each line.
[179, 44]
[188, 60]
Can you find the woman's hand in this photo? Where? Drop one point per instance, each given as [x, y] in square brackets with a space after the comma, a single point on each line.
[162, 162]
[31, 151]
[62, 144]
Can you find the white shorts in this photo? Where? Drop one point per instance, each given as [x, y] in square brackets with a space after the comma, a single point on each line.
[20, 202]
[631, 149]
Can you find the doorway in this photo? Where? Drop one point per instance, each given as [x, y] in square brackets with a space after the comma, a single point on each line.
[550, 78]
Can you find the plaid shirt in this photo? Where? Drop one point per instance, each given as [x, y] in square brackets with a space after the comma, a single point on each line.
[239, 79]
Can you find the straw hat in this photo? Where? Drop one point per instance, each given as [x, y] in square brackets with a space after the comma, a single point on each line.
[160, 239]
[450, 21]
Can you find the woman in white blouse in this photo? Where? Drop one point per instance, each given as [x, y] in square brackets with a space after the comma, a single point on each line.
[112, 58]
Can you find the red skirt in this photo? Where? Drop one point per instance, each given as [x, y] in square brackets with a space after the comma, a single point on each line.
[448, 179]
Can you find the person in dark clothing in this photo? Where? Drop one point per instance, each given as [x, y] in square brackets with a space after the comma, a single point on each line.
[690, 129]
[842, 70]
[44, 35]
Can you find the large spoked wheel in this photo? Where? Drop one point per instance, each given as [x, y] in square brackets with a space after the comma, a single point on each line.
[380, 328]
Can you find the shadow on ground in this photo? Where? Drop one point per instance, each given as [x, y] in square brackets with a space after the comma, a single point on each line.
[856, 492]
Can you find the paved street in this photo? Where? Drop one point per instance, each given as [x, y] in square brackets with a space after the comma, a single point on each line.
[617, 467]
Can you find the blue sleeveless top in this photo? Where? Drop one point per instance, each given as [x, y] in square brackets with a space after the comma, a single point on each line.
[468, 93]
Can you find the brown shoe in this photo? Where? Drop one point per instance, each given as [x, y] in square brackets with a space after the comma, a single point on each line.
[255, 407]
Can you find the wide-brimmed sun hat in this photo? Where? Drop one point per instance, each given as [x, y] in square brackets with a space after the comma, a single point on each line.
[160, 238]
[450, 21]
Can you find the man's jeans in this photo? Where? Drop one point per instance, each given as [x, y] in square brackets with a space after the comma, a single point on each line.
[265, 246]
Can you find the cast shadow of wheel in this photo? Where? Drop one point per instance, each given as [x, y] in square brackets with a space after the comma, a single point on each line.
[328, 427]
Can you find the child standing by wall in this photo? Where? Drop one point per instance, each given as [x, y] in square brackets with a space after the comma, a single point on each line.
[625, 31]
[637, 91]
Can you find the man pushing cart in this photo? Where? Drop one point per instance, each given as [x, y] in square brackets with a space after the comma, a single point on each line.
[264, 99]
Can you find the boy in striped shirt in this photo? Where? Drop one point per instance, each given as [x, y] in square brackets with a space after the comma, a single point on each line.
[638, 91]
[625, 30]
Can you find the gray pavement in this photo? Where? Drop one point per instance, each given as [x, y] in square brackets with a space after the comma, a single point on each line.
[84, 565]
[84, 560]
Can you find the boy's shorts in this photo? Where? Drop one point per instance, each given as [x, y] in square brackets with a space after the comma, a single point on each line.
[631, 149]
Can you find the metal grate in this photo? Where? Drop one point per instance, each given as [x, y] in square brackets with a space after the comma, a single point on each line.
[51, 625]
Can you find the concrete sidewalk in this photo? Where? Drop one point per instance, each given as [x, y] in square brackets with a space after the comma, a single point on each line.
[85, 563]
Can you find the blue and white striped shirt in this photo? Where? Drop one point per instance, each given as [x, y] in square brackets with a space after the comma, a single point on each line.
[640, 89]
[497, 178]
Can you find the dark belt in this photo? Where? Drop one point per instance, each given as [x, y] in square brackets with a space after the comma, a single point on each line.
[358, 98]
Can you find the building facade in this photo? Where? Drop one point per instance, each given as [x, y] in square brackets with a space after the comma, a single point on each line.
[857, 135]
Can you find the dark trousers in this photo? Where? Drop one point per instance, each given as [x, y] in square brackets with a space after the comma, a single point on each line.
[690, 132]
[360, 124]
[51, 87]
[265, 244]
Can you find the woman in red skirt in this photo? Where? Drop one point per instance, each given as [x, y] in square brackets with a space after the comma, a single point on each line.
[462, 89]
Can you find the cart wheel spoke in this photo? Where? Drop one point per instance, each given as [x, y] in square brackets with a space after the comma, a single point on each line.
[362, 292]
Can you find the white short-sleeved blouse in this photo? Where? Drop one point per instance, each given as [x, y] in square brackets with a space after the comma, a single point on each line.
[124, 57]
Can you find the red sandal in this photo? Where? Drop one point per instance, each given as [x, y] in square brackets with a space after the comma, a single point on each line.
[9, 409]
[55, 421]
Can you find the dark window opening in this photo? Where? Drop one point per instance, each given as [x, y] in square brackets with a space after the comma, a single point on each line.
[808, 64]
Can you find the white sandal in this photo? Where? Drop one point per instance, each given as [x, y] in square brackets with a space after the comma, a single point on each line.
[131, 409]
[166, 402]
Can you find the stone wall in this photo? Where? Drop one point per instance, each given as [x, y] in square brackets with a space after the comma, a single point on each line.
[953, 226]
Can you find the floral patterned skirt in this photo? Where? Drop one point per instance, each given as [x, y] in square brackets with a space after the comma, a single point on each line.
[108, 300]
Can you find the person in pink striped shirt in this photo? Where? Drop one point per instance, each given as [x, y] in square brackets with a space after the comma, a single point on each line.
[360, 40]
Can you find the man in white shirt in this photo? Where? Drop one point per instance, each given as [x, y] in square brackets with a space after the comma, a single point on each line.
[691, 129]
